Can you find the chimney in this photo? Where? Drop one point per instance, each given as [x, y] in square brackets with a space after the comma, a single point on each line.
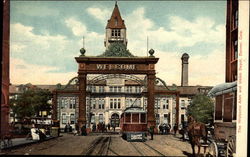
[184, 70]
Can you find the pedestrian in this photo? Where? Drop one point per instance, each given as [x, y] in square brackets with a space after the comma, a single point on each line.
[161, 129]
[165, 129]
[103, 127]
[94, 127]
[114, 127]
[83, 129]
[175, 129]
[109, 126]
[151, 132]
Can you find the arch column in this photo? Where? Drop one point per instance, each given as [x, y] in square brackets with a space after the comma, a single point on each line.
[151, 100]
[82, 77]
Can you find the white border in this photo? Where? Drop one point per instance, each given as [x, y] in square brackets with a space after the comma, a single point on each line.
[242, 82]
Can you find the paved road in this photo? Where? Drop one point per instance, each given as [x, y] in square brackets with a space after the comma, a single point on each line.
[113, 145]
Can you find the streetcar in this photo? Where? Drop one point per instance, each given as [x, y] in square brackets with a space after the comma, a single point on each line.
[223, 142]
[133, 124]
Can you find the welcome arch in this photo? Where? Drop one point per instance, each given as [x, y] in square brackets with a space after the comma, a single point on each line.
[116, 65]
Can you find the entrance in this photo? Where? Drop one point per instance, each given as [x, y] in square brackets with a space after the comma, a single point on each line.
[115, 120]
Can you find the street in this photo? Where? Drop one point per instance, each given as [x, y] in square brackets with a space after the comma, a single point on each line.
[107, 144]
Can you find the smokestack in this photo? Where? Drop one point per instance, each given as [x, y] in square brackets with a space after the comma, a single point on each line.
[184, 70]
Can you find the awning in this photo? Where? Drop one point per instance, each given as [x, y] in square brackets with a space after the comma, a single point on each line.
[223, 88]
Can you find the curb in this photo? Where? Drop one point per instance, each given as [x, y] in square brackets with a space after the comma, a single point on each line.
[26, 144]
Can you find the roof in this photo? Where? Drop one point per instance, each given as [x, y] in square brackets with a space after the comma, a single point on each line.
[187, 90]
[14, 88]
[116, 20]
[223, 88]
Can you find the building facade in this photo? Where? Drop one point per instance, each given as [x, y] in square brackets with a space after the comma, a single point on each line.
[5, 63]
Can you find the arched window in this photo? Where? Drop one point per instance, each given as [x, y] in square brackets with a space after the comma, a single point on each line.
[115, 120]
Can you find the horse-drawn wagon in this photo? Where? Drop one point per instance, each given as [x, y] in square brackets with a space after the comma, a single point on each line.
[223, 141]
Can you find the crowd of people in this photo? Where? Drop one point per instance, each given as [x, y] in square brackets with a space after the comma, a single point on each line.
[101, 127]
[164, 128]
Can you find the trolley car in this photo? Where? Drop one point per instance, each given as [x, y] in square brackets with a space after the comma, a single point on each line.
[133, 124]
[223, 142]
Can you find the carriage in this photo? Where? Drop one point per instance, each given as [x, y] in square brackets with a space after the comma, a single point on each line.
[223, 141]
[133, 124]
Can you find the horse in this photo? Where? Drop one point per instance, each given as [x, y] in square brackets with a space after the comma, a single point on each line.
[196, 132]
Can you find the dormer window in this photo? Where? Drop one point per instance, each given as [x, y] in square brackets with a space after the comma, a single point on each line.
[116, 33]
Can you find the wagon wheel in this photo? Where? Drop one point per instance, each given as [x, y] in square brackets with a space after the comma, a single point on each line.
[212, 150]
[231, 147]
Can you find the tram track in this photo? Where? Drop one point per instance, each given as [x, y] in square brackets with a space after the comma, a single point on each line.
[100, 146]
[145, 149]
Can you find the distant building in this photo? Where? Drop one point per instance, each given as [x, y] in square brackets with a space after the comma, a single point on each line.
[17, 90]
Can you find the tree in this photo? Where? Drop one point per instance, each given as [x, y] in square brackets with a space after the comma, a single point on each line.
[30, 103]
[201, 108]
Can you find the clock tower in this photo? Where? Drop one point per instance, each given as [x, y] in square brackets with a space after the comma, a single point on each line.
[115, 29]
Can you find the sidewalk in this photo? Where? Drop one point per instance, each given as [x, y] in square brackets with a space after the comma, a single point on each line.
[19, 142]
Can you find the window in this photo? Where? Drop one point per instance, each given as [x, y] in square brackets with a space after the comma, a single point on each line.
[93, 88]
[127, 117]
[115, 102]
[64, 118]
[119, 103]
[157, 103]
[143, 118]
[100, 118]
[111, 104]
[135, 118]
[235, 47]
[101, 89]
[92, 118]
[235, 19]
[165, 103]
[63, 103]
[72, 119]
[165, 118]
[119, 89]
[111, 89]
[182, 104]
[157, 118]
[100, 104]
[137, 89]
[103, 102]
[115, 89]
[93, 103]
[116, 33]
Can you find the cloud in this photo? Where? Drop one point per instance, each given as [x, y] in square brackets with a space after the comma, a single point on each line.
[101, 14]
[93, 41]
[77, 27]
[36, 74]
[182, 32]
[45, 49]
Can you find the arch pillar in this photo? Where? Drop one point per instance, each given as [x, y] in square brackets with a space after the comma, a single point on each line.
[151, 99]
[82, 77]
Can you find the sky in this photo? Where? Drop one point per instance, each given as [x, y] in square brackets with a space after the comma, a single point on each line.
[46, 36]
